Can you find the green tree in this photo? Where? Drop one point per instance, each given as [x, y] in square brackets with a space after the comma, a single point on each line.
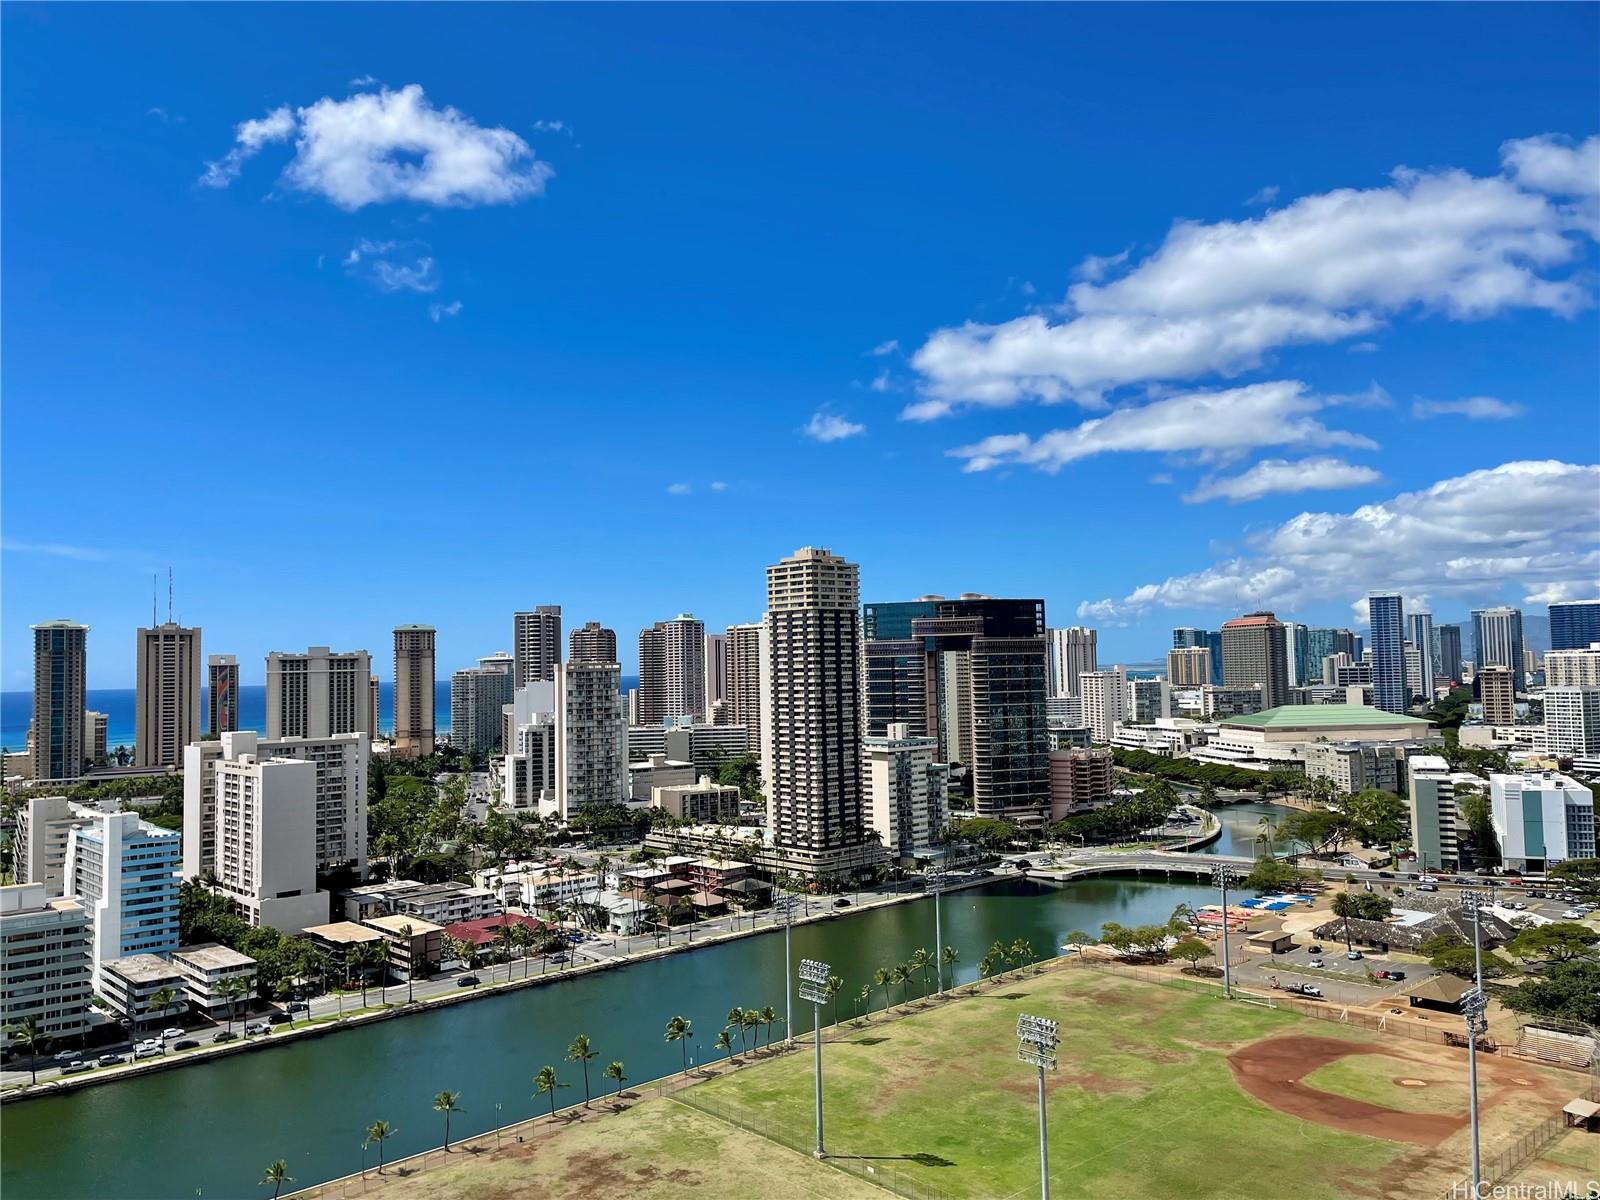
[161, 1002]
[680, 1030]
[447, 1102]
[230, 990]
[614, 1073]
[582, 1052]
[1454, 956]
[1022, 951]
[277, 1174]
[1345, 907]
[1374, 815]
[378, 1133]
[1191, 951]
[881, 978]
[548, 1084]
[408, 933]
[752, 1025]
[900, 977]
[948, 957]
[769, 1015]
[736, 1021]
[1570, 990]
[864, 997]
[1559, 941]
[30, 1035]
[1271, 875]
[724, 1043]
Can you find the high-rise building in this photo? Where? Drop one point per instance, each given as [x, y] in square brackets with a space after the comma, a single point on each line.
[1386, 617]
[1297, 651]
[1498, 694]
[591, 736]
[1540, 819]
[60, 662]
[1254, 654]
[744, 681]
[1083, 779]
[39, 845]
[672, 670]
[44, 964]
[1413, 670]
[319, 693]
[907, 791]
[592, 642]
[1572, 721]
[1574, 624]
[1189, 666]
[413, 690]
[536, 638]
[1104, 696]
[1497, 639]
[1450, 653]
[1573, 668]
[1072, 652]
[716, 673]
[125, 873]
[1148, 701]
[222, 694]
[373, 707]
[499, 661]
[1321, 642]
[1436, 820]
[1422, 636]
[811, 711]
[167, 705]
[971, 673]
[95, 725]
[476, 697]
[1186, 636]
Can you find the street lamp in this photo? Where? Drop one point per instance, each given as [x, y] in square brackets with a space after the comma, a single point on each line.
[1474, 1007]
[785, 905]
[935, 879]
[1036, 1046]
[814, 987]
[1222, 875]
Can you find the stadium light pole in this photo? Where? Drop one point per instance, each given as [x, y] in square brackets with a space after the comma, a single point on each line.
[785, 905]
[1036, 1046]
[1474, 1007]
[814, 987]
[1222, 875]
[935, 877]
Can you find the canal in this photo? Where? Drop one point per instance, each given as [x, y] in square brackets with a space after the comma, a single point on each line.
[1241, 827]
[209, 1130]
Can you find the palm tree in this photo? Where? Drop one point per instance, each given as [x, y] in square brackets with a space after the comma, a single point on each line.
[769, 1017]
[1345, 906]
[680, 1030]
[163, 998]
[833, 987]
[880, 978]
[864, 997]
[1022, 949]
[921, 960]
[1267, 831]
[948, 957]
[277, 1175]
[725, 1044]
[379, 1132]
[581, 1052]
[614, 1071]
[752, 1022]
[406, 931]
[357, 958]
[232, 989]
[524, 939]
[447, 1102]
[736, 1021]
[505, 940]
[32, 1037]
[986, 966]
[900, 977]
[547, 1083]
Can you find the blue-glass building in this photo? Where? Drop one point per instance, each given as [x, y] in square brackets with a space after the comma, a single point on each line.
[1574, 624]
[1386, 617]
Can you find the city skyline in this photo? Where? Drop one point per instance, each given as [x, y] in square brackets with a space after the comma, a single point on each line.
[935, 296]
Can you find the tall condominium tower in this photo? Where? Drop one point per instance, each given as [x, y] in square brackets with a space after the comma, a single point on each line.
[1450, 652]
[536, 639]
[477, 696]
[413, 691]
[222, 694]
[1186, 636]
[1072, 652]
[716, 673]
[319, 693]
[1254, 654]
[1419, 625]
[1386, 616]
[1497, 690]
[1497, 640]
[672, 670]
[591, 736]
[60, 656]
[810, 730]
[744, 681]
[1105, 699]
[1297, 652]
[167, 712]
[1189, 666]
[1573, 668]
[594, 643]
[973, 674]
[1574, 624]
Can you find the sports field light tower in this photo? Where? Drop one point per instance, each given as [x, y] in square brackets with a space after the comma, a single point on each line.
[935, 880]
[1222, 875]
[1475, 1008]
[785, 905]
[814, 987]
[1036, 1045]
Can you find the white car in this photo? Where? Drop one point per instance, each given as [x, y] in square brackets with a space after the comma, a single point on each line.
[146, 1050]
[172, 1032]
[1427, 879]
[1572, 914]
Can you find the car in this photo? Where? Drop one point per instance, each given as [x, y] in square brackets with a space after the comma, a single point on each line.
[1427, 887]
[1385, 874]
[186, 1044]
[841, 903]
[146, 1051]
[1309, 989]
[1397, 974]
[67, 1055]
[148, 1044]
[171, 1031]
[1517, 904]
[466, 980]
[226, 1035]
[1313, 949]
[72, 1068]
[1413, 875]
[258, 1027]
[1317, 962]
[299, 1006]
[110, 1060]
[1572, 914]
[1354, 956]
[277, 1018]
[1426, 878]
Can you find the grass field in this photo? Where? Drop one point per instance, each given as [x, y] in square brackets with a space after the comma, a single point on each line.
[1161, 1091]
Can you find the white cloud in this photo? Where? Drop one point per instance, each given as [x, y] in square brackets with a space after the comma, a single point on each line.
[248, 139]
[386, 146]
[880, 382]
[892, 346]
[552, 127]
[826, 427]
[679, 489]
[1219, 298]
[1215, 426]
[1529, 524]
[1364, 348]
[1474, 408]
[1263, 196]
[718, 485]
[392, 266]
[1552, 163]
[363, 81]
[1096, 267]
[436, 312]
[1275, 475]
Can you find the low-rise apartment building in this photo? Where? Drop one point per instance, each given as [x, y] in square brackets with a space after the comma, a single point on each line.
[44, 962]
[130, 984]
[204, 968]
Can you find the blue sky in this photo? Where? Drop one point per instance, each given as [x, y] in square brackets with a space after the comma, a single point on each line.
[1145, 286]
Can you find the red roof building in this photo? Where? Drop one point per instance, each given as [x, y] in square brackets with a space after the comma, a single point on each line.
[481, 932]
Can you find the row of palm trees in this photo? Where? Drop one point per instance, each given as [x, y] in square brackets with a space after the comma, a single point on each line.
[903, 974]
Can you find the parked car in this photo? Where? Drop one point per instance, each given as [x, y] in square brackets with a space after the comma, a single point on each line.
[226, 1036]
[277, 1018]
[841, 903]
[1572, 914]
[1313, 949]
[466, 980]
[171, 1031]
[145, 1051]
[258, 1027]
[67, 1055]
[1317, 962]
[299, 1006]
[72, 1068]
[1354, 956]
[1308, 989]
[186, 1044]
[110, 1060]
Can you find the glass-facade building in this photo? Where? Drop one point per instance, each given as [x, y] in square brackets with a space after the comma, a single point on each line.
[1574, 624]
[1497, 639]
[1386, 617]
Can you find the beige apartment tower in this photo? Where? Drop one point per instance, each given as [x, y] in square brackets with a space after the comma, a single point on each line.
[167, 713]
[536, 645]
[60, 665]
[593, 643]
[1497, 690]
[743, 688]
[672, 670]
[318, 694]
[1189, 666]
[414, 691]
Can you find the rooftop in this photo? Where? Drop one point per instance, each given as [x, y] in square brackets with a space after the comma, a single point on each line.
[210, 956]
[398, 923]
[1323, 716]
[142, 968]
[342, 932]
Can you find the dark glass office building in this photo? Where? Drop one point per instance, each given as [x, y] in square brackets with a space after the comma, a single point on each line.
[1574, 624]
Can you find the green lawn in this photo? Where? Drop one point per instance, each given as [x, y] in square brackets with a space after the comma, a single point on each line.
[1372, 1078]
[1143, 1104]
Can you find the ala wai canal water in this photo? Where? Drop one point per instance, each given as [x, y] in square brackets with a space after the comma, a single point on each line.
[209, 1130]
